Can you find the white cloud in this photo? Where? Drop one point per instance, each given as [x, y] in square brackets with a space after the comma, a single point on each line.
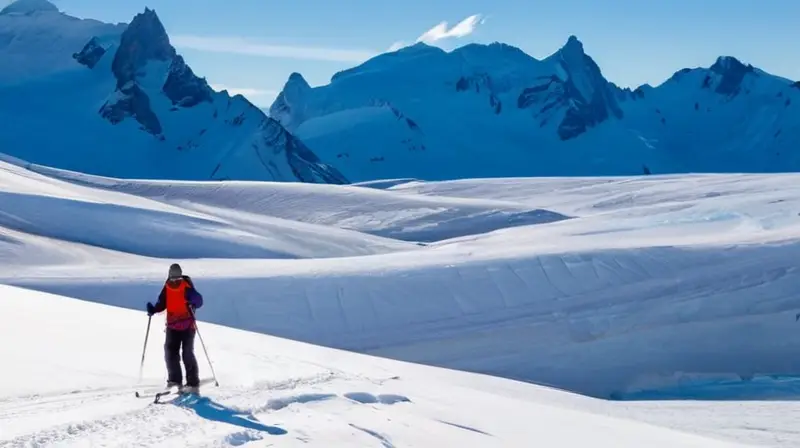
[240, 45]
[461, 29]
[397, 45]
[441, 32]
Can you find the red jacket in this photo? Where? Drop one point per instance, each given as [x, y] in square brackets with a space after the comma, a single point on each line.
[176, 301]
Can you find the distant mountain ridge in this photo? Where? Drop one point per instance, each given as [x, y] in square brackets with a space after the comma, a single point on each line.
[494, 111]
[118, 100]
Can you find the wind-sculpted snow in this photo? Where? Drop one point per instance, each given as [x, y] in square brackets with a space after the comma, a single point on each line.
[648, 280]
[372, 211]
[41, 214]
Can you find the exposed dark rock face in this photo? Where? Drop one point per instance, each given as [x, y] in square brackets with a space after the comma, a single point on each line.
[144, 41]
[91, 53]
[732, 72]
[584, 95]
[305, 165]
[183, 88]
[584, 114]
[553, 95]
[133, 103]
[478, 83]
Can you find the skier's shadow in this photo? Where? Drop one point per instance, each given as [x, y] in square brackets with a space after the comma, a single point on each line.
[208, 409]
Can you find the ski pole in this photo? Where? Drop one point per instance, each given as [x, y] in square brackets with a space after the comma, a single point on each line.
[146, 335]
[191, 311]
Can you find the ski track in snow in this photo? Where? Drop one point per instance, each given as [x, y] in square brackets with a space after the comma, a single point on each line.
[155, 424]
[608, 287]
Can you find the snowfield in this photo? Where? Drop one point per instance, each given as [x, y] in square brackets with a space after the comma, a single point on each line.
[606, 288]
[273, 392]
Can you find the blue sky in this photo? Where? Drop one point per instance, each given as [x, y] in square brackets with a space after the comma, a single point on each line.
[251, 46]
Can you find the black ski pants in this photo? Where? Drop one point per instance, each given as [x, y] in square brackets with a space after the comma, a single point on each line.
[174, 342]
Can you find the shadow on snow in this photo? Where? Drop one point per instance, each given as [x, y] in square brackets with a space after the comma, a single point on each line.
[758, 388]
[208, 409]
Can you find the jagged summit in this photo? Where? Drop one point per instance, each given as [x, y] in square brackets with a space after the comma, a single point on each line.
[479, 110]
[145, 39]
[572, 54]
[573, 46]
[287, 107]
[297, 79]
[24, 7]
[727, 64]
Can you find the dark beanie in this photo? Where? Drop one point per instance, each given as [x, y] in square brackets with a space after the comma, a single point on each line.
[175, 270]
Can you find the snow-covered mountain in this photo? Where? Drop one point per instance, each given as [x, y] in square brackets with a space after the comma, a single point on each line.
[118, 100]
[492, 110]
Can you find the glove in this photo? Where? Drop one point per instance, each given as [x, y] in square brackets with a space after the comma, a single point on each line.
[150, 309]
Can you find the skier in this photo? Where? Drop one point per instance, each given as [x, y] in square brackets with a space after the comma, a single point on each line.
[180, 299]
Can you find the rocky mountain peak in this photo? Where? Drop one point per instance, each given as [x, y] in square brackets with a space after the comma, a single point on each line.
[288, 106]
[297, 80]
[729, 73]
[145, 39]
[573, 47]
[577, 87]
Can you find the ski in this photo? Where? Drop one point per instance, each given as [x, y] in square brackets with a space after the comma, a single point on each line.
[155, 392]
[179, 391]
[162, 392]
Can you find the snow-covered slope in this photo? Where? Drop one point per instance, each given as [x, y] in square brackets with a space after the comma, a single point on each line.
[494, 111]
[640, 285]
[36, 41]
[566, 287]
[41, 214]
[646, 285]
[404, 217]
[118, 100]
[70, 382]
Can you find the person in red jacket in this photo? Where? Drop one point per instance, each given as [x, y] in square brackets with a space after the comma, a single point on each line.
[180, 299]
